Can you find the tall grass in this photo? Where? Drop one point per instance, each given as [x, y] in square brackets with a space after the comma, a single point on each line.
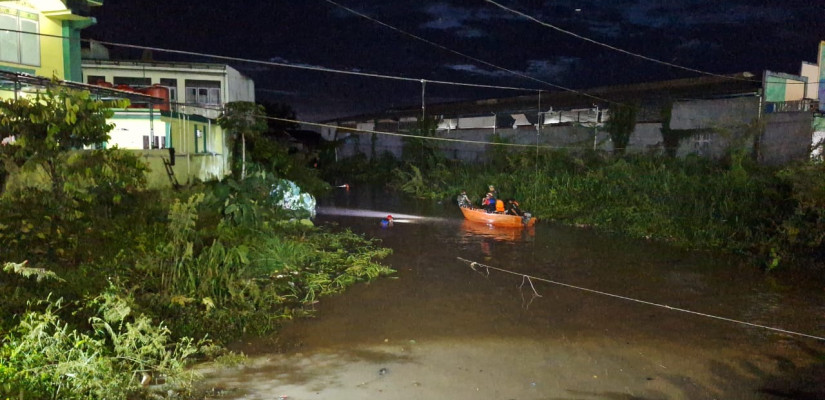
[732, 205]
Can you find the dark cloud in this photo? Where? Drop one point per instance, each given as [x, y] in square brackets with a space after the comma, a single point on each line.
[461, 19]
[605, 29]
[692, 13]
[557, 68]
[716, 36]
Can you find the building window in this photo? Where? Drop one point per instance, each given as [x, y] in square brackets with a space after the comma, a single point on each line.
[203, 92]
[159, 142]
[19, 39]
[172, 85]
[133, 82]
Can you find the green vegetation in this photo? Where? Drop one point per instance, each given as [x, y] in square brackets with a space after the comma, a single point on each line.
[245, 120]
[621, 124]
[773, 216]
[106, 285]
[49, 125]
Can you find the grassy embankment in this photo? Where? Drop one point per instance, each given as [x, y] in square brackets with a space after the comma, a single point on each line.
[117, 289]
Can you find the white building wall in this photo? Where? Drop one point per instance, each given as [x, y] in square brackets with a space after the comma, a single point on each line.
[811, 71]
[130, 128]
[238, 86]
[447, 124]
[477, 122]
[365, 126]
[520, 120]
[234, 85]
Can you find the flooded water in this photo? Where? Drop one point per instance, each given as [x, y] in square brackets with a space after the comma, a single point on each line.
[440, 329]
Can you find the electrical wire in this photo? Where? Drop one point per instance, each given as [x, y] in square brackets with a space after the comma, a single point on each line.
[332, 70]
[489, 64]
[405, 135]
[371, 132]
[475, 265]
[286, 65]
[368, 131]
[587, 39]
[310, 67]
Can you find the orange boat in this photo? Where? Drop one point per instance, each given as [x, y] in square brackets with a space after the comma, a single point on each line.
[502, 220]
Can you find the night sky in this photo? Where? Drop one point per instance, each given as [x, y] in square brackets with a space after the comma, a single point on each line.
[720, 37]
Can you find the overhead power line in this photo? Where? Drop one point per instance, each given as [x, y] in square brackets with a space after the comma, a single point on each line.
[284, 65]
[596, 42]
[332, 70]
[309, 67]
[407, 135]
[489, 64]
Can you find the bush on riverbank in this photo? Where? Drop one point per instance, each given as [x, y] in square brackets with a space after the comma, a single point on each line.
[216, 261]
[773, 216]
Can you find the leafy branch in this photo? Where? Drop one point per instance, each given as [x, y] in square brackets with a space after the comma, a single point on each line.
[28, 272]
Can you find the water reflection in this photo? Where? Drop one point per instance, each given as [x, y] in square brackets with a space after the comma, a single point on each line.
[497, 233]
[456, 333]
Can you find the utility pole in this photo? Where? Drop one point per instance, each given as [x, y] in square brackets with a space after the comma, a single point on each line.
[423, 102]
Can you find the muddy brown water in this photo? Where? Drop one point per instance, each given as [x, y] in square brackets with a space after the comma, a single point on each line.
[441, 330]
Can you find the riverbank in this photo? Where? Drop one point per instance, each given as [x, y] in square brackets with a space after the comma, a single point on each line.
[501, 368]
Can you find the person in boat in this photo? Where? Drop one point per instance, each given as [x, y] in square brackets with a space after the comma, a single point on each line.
[493, 191]
[499, 206]
[513, 208]
[386, 222]
[463, 201]
[489, 203]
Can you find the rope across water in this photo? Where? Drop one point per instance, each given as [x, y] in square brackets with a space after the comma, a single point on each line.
[477, 266]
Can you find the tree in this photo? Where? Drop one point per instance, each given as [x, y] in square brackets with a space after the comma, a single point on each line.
[46, 127]
[271, 149]
[621, 124]
[281, 111]
[422, 152]
[242, 118]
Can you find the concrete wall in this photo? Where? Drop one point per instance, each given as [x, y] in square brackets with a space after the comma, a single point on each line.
[472, 144]
[787, 138]
[646, 138]
[187, 133]
[708, 114]
[780, 87]
[717, 124]
[811, 71]
[188, 168]
[130, 126]
[238, 87]
[712, 127]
